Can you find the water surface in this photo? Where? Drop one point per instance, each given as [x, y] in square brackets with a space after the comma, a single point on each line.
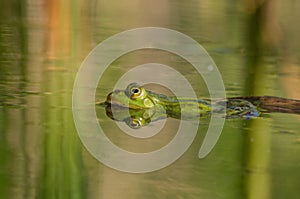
[42, 45]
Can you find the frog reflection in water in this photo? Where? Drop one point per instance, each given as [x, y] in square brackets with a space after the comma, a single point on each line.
[145, 106]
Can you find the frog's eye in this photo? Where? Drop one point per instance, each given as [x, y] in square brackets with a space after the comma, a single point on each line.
[135, 92]
[135, 124]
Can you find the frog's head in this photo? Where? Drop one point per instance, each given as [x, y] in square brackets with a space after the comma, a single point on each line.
[134, 97]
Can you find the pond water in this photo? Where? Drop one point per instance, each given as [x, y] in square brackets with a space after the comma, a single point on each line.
[42, 45]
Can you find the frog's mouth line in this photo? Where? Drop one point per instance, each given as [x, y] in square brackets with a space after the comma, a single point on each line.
[109, 102]
[116, 104]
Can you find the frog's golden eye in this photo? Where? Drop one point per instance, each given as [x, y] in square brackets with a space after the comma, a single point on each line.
[135, 124]
[135, 92]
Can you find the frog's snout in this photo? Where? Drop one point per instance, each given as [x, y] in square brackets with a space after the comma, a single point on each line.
[108, 98]
[111, 97]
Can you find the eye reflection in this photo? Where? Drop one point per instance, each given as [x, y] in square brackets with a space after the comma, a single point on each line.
[134, 123]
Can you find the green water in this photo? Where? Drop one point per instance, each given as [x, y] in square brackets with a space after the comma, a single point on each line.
[42, 45]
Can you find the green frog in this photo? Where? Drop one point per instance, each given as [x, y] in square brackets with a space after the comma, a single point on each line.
[145, 106]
